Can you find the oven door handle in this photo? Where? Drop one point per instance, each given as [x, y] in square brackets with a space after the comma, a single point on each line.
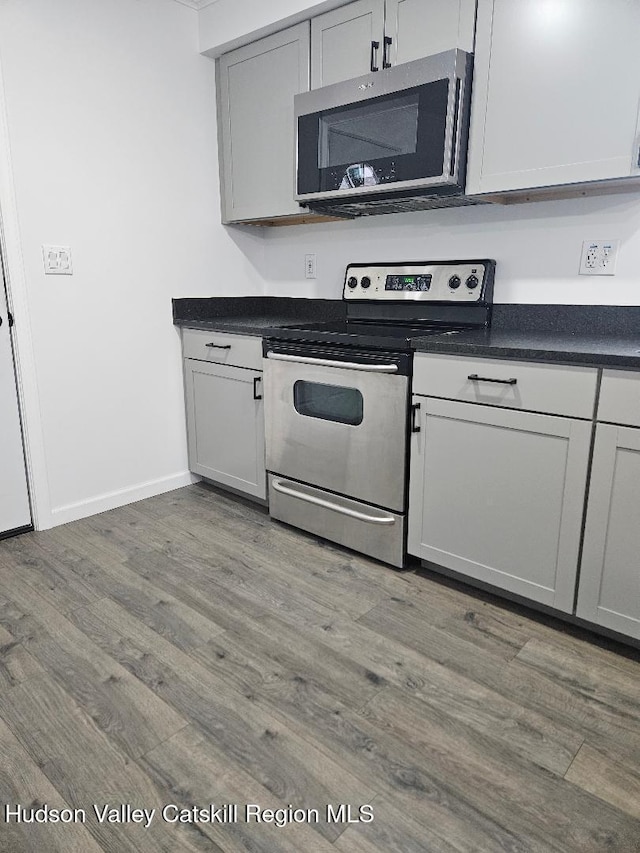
[325, 362]
[289, 489]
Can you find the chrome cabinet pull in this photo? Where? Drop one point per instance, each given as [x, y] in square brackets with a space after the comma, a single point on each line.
[256, 379]
[475, 378]
[286, 489]
[325, 362]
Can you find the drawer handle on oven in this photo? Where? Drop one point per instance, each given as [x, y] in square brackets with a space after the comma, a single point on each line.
[475, 378]
[219, 346]
[325, 362]
[280, 486]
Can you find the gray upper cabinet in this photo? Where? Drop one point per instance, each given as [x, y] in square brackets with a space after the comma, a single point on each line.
[369, 34]
[420, 28]
[556, 94]
[256, 85]
[344, 42]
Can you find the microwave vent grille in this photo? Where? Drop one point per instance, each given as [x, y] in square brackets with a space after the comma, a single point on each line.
[352, 210]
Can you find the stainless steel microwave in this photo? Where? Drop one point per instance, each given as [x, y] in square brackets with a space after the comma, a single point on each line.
[397, 134]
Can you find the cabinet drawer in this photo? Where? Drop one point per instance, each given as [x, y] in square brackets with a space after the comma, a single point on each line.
[222, 348]
[549, 388]
[620, 397]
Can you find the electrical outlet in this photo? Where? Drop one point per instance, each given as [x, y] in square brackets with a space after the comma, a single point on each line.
[599, 257]
[310, 266]
[57, 260]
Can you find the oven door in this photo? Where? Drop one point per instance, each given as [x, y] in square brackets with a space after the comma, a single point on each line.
[339, 421]
[402, 128]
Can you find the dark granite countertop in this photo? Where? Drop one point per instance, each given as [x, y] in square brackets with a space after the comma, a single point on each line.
[557, 347]
[592, 335]
[253, 315]
[239, 325]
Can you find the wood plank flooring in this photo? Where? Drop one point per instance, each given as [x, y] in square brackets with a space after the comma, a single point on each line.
[187, 650]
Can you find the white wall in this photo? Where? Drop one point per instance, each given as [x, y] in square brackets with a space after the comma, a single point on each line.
[226, 24]
[111, 120]
[110, 114]
[537, 247]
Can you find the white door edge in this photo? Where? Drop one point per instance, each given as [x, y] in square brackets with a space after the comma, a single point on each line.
[28, 397]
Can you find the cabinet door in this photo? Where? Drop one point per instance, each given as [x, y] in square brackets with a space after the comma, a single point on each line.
[256, 88]
[225, 425]
[343, 42]
[609, 590]
[419, 28]
[556, 91]
[498, 495]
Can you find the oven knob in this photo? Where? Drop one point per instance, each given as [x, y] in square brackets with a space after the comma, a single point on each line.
[352, 282]
[365, 282]
[472, 282]
[454, 282]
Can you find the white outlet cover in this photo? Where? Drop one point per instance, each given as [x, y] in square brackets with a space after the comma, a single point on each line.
[57, 260]
[599, 257]
[310, 266]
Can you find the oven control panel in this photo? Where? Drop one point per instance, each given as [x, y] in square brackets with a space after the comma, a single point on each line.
[469, 281]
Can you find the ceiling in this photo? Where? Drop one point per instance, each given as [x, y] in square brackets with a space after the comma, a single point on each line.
[196, 4]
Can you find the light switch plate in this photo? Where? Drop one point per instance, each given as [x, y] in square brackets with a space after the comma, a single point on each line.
[57, 260]
[599, 257]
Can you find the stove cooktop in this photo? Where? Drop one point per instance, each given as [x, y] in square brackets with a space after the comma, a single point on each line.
[387, 306]
[375, 335]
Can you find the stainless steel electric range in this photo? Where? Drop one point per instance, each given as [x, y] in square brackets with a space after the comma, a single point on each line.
[337, 399]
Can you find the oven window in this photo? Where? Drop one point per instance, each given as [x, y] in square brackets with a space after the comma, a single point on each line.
[328, 402]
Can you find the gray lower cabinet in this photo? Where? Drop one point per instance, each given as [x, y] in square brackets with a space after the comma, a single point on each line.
[555, 94]
[225, 425]
[256, 85]
[609, 589]
[365, 35]
[498, 495]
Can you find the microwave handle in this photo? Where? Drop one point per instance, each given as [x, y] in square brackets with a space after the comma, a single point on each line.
[456, 127]
[375, 45]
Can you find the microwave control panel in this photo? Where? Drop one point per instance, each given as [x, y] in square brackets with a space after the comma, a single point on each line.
[468, 281]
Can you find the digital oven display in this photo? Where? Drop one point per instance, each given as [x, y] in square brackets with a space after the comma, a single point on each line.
[420, 283]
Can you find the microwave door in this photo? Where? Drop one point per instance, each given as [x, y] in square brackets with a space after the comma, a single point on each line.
[383, 138]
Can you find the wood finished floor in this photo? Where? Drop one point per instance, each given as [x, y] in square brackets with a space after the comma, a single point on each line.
[186, 649]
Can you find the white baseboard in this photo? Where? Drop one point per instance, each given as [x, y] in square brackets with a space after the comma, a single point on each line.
[111, 500]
